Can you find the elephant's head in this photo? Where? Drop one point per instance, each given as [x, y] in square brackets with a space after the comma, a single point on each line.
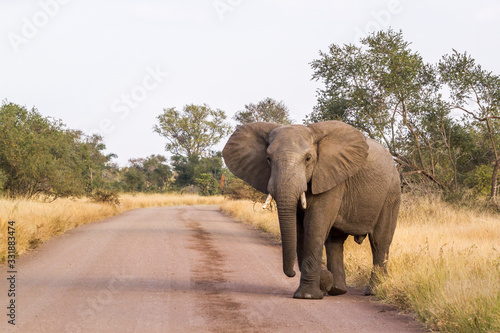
[286, 161]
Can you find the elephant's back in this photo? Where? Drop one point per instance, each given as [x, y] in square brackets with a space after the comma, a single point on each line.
[380, 158]
[380, 170]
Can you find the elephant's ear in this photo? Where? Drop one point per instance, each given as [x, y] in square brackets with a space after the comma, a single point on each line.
[245, 154]
[342, 151]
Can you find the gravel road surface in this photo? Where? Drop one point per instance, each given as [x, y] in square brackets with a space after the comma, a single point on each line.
[175, 269]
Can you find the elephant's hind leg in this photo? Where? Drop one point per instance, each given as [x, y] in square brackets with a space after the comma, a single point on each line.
[380, 241]
[335, 262]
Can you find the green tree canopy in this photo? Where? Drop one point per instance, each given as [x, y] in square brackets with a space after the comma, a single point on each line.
[189, 169]
[151, 174]
[268, 110]
[476, 92]
[39, 155]
[385, 89]
[193, 131]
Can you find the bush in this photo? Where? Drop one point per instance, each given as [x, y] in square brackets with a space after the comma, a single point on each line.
[3, 180]
[105, 196]
[207, 184]
[238, 189]
[480, 179]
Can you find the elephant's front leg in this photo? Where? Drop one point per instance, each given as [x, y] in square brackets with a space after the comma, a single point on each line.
[310, 240]
[310, 276]
[326, 280]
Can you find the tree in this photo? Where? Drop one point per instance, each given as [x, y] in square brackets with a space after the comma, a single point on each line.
[158, 173]
[268, 110]
[189, 169]
[476, 92]
[39, 155]
[190, 135]
[207, 184]
[133, 180]
[192, 132]
[93, 161]
[150, 174]
[389, 92]
[25, 149]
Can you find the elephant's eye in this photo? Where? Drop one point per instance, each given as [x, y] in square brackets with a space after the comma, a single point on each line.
[268, 160]
[308, 158]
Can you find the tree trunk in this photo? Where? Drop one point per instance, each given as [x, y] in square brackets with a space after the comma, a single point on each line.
[494, 181]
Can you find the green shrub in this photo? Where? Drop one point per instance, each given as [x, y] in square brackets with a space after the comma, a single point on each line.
[207, 184]
[105, 196]
[480, 179]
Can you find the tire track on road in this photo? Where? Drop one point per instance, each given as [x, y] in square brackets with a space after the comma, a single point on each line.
[209, 276]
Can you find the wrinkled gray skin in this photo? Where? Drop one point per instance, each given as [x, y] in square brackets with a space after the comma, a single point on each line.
[352, 188]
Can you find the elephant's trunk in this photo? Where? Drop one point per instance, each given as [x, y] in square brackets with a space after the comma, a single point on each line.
[286, 184]
[287, 213]
[287, 198]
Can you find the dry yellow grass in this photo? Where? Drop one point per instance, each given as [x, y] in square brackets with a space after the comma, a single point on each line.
[37, 221]
[132, 201]
[248, 212]
[444, 264]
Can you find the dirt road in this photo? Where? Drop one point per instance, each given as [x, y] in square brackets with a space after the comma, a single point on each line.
[180, 269]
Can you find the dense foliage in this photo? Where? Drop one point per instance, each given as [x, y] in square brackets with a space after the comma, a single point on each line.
[385, 89]
[193, 131]
[39, 155]
[151, 174]
[267, 110]
[190, 134]
[189, 171]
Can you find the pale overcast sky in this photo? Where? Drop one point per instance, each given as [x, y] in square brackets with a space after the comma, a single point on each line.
[112, 66]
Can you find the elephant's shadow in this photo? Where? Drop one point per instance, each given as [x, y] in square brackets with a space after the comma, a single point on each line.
[208, 286]
[158, 285]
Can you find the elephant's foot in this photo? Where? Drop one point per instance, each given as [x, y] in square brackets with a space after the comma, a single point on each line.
[325, 281]
[374, 280]
[335, 291]
[370, 290]
[308, 293]
[339, 287]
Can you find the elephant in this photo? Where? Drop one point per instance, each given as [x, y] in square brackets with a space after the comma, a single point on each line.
[328, 181]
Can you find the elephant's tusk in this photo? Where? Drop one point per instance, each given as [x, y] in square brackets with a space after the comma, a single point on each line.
[268, 202]
[303, 200]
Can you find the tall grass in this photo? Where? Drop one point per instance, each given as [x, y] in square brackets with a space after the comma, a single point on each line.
[444, 264]
[37, 221]
[249, 212]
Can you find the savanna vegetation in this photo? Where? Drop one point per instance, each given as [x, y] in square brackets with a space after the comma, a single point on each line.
[439, 121]
[40, 156]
